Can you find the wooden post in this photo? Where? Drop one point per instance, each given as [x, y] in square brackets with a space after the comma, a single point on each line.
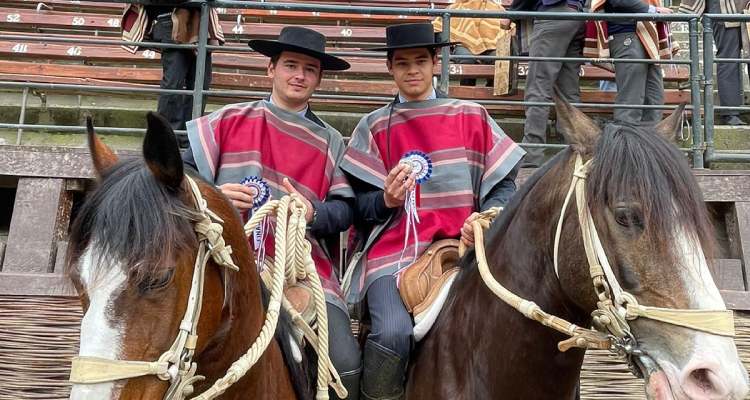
[738, 230]
[506, 71]
[41, 214]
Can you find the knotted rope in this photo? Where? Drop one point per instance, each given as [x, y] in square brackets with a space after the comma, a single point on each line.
[292, 262]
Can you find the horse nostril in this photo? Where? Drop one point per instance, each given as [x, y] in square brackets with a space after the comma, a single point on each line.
[705, 384]
[701, 379]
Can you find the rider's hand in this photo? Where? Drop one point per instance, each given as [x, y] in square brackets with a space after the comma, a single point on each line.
[467, 231]
[290, 189]
[240, 195]
[398, 182]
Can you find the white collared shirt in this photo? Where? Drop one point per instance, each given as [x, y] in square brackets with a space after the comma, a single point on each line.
[432, 96]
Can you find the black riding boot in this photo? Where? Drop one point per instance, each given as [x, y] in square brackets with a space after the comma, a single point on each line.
[383, 374]
[350, 380]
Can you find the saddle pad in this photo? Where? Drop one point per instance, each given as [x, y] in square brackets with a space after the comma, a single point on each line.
[424, 320]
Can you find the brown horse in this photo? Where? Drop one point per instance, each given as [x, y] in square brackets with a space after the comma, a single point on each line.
[654, 228]
[132, 255]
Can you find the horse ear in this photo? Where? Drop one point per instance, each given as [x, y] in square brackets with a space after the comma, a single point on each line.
[671, 127]
[580, 131]
[101, 154]
[161, 151]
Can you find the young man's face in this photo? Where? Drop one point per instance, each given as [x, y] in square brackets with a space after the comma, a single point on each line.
[295, 78]
[412, 71]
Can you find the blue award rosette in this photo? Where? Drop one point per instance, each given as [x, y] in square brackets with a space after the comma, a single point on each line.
[261, 194]
[421, 168]
[260, 189]
[421, 165]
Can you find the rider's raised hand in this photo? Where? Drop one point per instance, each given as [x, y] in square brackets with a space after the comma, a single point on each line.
[398, 182]
[240, 195]
[290, 189]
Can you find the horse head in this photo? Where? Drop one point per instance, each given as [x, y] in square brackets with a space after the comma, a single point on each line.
[655, 235]
[132, 258]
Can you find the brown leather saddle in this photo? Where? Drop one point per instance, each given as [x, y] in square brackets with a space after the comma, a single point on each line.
[420, 282]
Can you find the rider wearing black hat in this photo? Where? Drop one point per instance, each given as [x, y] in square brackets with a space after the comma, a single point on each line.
[278, 146]
[450, 159]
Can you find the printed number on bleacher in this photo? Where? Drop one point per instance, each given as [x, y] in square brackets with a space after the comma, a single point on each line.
[346, 32]
[74, 51]
[13, 18]
[113, 22]
[150, 54]
[20, 48]
[456, 69]
[78, 21]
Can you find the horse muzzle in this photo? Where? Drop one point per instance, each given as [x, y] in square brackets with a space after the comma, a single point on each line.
[700, 379]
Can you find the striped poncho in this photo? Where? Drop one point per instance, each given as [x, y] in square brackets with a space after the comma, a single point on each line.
[656, 37]
[470, 154]
[260, 139]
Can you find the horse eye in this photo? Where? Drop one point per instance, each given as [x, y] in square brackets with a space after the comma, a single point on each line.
[156, 282]
[628, 217]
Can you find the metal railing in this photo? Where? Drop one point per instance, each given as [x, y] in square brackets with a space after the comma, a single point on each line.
[702, 151]
[711, 154]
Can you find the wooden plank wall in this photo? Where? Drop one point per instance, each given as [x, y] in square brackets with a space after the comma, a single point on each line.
[32, 256]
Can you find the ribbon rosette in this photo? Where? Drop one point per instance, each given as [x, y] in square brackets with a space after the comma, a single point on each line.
[421, 168]
[261, 192]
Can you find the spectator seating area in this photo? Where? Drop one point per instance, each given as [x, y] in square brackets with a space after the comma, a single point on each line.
[109, 65]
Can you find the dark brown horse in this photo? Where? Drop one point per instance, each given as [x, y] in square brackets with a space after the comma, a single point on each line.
[132, 254]
[653, 224]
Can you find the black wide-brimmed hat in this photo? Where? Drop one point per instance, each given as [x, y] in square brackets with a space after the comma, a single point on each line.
[410, 36]
[300, 40]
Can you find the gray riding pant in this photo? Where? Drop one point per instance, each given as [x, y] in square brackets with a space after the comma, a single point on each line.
[728, 75]
[392, 326]
[637, 84]
[550, 38]
[342, 346]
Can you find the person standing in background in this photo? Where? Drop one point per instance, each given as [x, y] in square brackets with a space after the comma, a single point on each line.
[163, 24]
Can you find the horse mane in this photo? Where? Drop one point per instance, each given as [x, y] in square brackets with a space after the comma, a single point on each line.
[500, 224]
[630, 161]
[137, 221]
[634, 162]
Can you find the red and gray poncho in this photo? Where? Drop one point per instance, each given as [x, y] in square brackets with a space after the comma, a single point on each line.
[470, 154]
[262, 140]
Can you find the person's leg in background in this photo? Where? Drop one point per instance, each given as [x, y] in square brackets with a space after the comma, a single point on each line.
[463, 51]
[550, 38]
[630, 77]
[728, 75]
[175, 68]
[654, 93]
[187, 101]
